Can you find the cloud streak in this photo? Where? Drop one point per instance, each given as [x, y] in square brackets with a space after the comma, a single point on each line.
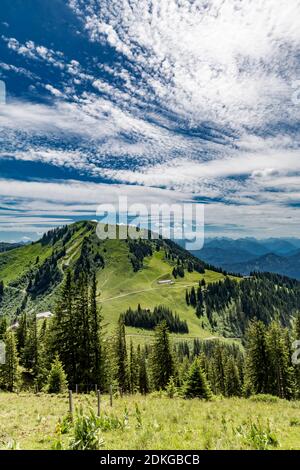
[196, 97]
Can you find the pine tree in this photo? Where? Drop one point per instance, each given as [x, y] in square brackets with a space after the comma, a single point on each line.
[3, 327]
[162, 357]
[42, 366]
[9, 372]
[64, 335]
[232, 379]
[33, 354]
[133, 369]
[217, 370]
[57, 381]
[187, 297]
[257, 359]
[97, 350]
[282, 379]
[21, 332]
[171, 388]
[196, 385]
[193, 298]
[143, 380]
[297, 366]
[121, 358]
[30, 349]
[82, 330]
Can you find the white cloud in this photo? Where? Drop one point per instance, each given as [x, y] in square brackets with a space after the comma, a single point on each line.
[46, 204]
[227, 62]
[201, 103]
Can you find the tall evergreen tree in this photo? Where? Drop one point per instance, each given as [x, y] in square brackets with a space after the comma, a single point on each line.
[193, 297]
[257, 359]
[143, 379]
[133, 369]
[63, 337]
[162, 358]
[196, 385]
[217, 370]
[97, 350]
[232, 379]
[282, 379]
[121, 358]
[9, 372]
[21, 332]
[83, 332]
[187, 297]
[297, 366]
[3, 327]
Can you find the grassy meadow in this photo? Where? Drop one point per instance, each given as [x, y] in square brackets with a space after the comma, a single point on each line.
[29, 421]
[121, 288]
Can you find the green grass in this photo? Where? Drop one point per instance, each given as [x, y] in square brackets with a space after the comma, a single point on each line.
[29, 421]
[15, 262]
[121, 288]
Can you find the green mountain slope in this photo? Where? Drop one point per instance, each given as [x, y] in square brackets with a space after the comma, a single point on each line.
[128, 273]
[149, 273]
[8, 246]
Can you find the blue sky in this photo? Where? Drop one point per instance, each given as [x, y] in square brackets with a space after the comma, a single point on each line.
[173, 101]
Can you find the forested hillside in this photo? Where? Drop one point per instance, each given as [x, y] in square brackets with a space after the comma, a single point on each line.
[230, 305]
[142, 316]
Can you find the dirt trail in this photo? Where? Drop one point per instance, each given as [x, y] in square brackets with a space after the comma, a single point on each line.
[173, 286]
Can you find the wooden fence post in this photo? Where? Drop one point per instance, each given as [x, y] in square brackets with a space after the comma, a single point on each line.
[76, 388]
[111, 395]
[99, 401]
[71, 409]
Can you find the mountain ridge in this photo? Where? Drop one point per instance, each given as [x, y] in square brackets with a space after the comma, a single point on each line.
[128, 273]
[142, 275]
[280, 256]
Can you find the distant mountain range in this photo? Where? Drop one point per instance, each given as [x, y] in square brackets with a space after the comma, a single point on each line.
[245, 255]
[153, 274]
[8, 246]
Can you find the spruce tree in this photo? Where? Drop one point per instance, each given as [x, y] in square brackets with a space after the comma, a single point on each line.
[171, 388]
[122, 374]
[282, 379]
[232, 379]
[297, 366]
[97, 350]
[187, 297]
[162, 358]
[193, 298]
[133, 369]
[30, 350]
[64, 335]
[9, 372]
[257, 358]
[3, 327]
[143, 379]
[217, 369]
[196, 385]
[21, 332]
[82, 330]
[57, 381]
[33, 354]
